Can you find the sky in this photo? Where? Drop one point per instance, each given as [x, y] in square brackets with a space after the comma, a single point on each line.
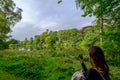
[39, 15]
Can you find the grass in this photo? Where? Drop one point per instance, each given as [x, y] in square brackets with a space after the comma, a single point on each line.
[17, 65]
[5, 76]
[115, 73]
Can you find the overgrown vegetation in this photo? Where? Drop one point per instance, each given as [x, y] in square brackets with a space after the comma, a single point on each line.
[52, 55]
[39, 66]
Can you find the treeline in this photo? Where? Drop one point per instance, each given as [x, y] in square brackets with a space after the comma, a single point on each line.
[59, 41]
[72, 40]
[53, 41]
[105, 31]
[62, 40]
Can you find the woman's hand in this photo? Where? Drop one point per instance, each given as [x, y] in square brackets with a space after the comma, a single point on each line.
[81, 60]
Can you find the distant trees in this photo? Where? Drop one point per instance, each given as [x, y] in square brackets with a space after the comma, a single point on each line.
[61, 42]
[105, 29]
[53, 41]
[13, 43]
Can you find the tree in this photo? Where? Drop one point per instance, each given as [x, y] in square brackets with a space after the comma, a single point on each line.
[31, 43]
[13, 44]
[26, 44]
[107, 19]
[36, 42]
[9, 16]
[98, 8]
[106, 11]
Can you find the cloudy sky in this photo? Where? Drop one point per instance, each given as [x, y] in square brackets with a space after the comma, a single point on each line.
[39, 15]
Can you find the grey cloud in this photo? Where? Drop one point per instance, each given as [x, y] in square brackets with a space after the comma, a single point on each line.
[24, 30]
[39, 15]
[64, 14]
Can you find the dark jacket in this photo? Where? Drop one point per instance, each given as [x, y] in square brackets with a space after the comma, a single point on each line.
[91, 74]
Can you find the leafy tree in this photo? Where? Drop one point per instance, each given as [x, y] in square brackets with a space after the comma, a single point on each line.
[107, 19]
[99, 8]
[31, 43]
[13, 44]
[106, 10]
[3, 45]
[36, 42]
[13, 41]
[26, 44]
[9, 16]
[54, 38]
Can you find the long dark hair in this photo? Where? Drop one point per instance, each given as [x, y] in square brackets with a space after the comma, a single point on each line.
[98, 62]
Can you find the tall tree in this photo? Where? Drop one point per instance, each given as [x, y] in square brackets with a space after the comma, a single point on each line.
[9, 16]
[106, 11]
[107, 18]
[98, 8]
[26, 44]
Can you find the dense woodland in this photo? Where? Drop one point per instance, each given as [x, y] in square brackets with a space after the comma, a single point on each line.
[49, 55]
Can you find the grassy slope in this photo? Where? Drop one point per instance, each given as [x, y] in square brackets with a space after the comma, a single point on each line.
[5, 76]
[38, 66]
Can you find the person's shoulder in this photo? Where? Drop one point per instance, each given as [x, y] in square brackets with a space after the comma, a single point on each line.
[92, 74]
[92, 70]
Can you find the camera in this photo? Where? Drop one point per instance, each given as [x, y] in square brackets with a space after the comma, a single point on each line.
[80, 56]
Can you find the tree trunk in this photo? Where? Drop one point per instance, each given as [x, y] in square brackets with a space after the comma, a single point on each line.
[101, 29]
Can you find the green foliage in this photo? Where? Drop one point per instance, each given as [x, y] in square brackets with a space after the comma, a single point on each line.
[49, 40]
[54, 53]
[74, 40]
[13, 43]
[99, 8]
[5, 76]
[105, 32]
[111, 43]
[36, 66]
[59, 1]
[3, 45]
[108, 19]
[21, 65]
[9, 16]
